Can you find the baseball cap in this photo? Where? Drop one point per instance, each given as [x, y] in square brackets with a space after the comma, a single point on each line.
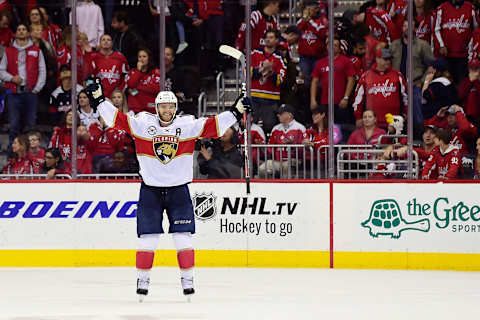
[384, 53]
[474, 63]
[439, 64]
[429, 127]
[286, 108]
[64, 67]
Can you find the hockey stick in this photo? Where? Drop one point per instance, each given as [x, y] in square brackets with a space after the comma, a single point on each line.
[238, 55]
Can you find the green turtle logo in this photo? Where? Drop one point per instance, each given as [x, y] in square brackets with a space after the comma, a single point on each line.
[386, 219]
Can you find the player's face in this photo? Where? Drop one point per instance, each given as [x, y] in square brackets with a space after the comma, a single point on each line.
[106, 42]
[117, 99]
[143, 57]
[369, 119]
[166, 111]
[34, 141]
[35, 16]
[83, 100]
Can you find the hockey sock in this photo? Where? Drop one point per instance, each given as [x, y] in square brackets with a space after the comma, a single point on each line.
[185, 256]
[145, 254]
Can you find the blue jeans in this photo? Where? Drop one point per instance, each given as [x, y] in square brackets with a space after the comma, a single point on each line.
[180, 30]
[21, 105]
[307, 64]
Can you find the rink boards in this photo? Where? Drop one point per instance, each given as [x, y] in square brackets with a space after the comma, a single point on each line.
[315, 224]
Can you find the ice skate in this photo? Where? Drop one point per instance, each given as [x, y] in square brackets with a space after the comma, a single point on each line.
[188, 291]
[142, 288]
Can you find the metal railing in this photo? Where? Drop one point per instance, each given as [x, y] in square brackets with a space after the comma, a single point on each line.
[391, 137]
[220, 92]
[32, 177]
[202, 105]
[110, 176]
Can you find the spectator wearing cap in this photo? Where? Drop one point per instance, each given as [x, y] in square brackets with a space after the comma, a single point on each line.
[268, 73]
[311, 45]
[452, 118]
[469, 92]
[438, 89]
[23, 70]
[444, 161]
[61, 97]
[454, 24]
[343, 87]
[421, 54]
[288, 131]
[381, 89]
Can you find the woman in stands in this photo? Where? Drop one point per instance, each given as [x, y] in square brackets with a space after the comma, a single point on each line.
[20, 162]
[62, 139]
[119, 100]
[143, 83]
[369, 133]
[54, 164]
[85, 112]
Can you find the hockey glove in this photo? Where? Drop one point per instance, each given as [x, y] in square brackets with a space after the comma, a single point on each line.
[241, 105]
[94, 92]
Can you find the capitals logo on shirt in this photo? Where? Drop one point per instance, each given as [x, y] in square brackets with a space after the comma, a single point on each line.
[165, 147]
[310, 37]
[460, 25]
[386, 89]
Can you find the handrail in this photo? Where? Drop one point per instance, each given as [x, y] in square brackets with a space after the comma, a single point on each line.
[33, 176]
[202, 104]
[390, 136]
[220, 91]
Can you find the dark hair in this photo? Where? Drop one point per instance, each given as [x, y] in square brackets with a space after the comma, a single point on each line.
[35, 133]
[120, 16]
[42, 18]
[443, 135]
[359, 41]
[7, 14]
[150, 65]
[268, 2]
[427, 9]
[293, 29]
[22, 139]
[56, 154]
[22, 24]
[274, 31]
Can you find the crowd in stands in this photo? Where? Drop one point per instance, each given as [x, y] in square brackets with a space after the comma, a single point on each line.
[289, 80]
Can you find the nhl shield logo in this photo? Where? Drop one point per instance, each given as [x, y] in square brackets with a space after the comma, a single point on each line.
[204, 205]
[165, 147]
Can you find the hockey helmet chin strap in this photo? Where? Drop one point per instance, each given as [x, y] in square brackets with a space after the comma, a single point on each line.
[167, 122]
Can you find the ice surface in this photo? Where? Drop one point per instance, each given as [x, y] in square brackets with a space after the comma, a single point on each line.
[238, 293]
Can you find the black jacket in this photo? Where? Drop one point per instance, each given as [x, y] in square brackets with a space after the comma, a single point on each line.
[222, 165]
[128, 43]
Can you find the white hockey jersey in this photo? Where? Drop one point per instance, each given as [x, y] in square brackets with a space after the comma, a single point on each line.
[165, 154]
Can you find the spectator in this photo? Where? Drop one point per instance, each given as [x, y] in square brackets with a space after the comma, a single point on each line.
[421, 54]
[452, 118]
[23, 70]
[260, 22]
[6, 34]
[174, 77]
[369, 133]
[107, 141]
[292, 35]
[257, 137]
[268, 74]
[120, 101]
[225, 161]
[35, 18]
[90, 21]
[288, 131]
[20, 162]
[343, 87]
[317, 135]
[86, 113]
[311, 45]
[54, 30]
[108, 65]
[381, 89]
[438, 89]
[469, 92]
[64, 54]
[397, 10]
[444, 161]
[125, 38]
[380, 23]
[358, 57]
[119, 164]
[35, 151]
[474, 45]
[477, 161]
[53, 164]
[62, 140]
[61, 97]
[424, 21]
[143, 83]
[455, 22]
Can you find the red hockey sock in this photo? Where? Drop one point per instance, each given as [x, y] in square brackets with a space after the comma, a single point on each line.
[145, 259]
[186, 258]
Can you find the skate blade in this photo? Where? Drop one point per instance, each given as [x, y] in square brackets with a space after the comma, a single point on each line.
[189, 298]
[141, 297]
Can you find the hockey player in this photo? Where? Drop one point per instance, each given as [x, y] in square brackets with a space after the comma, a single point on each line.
[164, 145]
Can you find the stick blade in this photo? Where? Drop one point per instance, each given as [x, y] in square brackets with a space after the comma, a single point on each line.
[231, 51]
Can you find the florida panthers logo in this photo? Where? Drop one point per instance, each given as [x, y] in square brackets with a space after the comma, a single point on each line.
[165, 147]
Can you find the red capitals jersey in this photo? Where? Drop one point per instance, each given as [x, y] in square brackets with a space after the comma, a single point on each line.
[469, 94]
[259, 23]
[357, 66]
[312, 40]
[19, 166]
[398, 10]
[382, 92]
[111, 70]
[464, 130]
[6, 36]
[268, 87]
[106, 140]
[423, 157]
[445, 164]
[62, 139]
[64, 56]
[37, 160]
[474, 45]
[453, 27]
[381, 25]
[425, 28]
[286, 134]
[146, 87]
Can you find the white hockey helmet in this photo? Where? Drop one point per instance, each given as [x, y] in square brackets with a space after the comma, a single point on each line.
[166, 97]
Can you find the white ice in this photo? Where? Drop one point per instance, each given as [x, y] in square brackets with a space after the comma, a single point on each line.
[238, 293]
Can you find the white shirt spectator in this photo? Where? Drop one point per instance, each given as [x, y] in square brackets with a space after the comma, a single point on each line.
[90, 21]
